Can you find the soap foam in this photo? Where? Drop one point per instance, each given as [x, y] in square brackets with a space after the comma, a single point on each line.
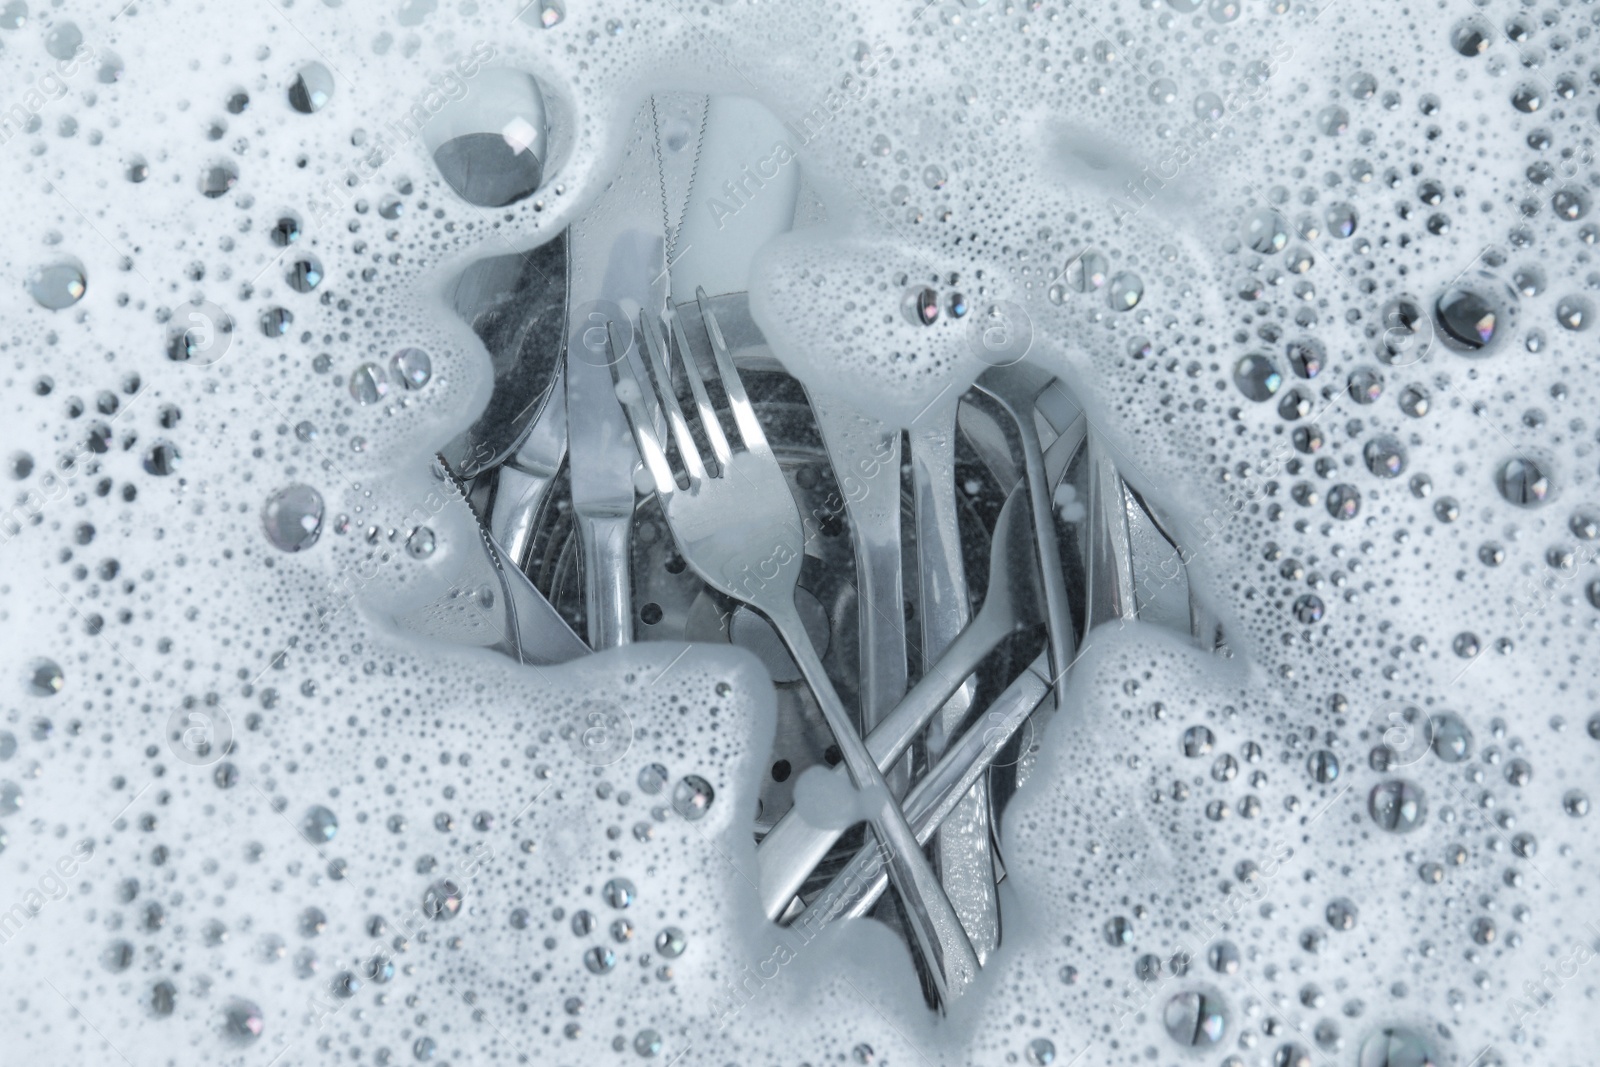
[1014, 154]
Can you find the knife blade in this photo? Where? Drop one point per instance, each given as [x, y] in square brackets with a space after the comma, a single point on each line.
[520, 485]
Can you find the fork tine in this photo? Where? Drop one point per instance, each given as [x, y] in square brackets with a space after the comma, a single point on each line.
[744, 413]
[702, 399]
[655, 353]
[633, 398]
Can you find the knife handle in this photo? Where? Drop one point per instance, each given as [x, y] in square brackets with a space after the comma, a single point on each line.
[607, 590]
[517, 497]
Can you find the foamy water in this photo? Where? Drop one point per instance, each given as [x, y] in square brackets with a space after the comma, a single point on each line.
[1321, 276]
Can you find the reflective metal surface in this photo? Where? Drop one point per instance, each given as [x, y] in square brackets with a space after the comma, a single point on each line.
[892, 581]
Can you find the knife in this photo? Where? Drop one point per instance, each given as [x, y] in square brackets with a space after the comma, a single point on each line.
[616, 266]
[520, 485]
[532, 630]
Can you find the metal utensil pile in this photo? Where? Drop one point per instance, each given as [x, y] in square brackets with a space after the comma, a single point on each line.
[917, 594]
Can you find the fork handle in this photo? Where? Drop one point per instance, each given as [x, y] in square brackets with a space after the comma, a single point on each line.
[607, 589]
[938, 931]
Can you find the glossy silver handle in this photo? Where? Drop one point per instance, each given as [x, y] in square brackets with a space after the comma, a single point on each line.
[943, 604]
[865, 454]
[961, 848]
[876, 526]
[1018, 391]
[853, 890]
[608, 589]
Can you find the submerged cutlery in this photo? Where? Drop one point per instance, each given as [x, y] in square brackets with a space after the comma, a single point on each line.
[942, 809]
[854, 889]
[521, 484]
[523, 479]
[1014, 601]
[961, 852]
[736, 523]
[793, 848]
[738, 527]
[865, 452]
[1017, 389]
[967, 860]
[617, 267]
[516, 304]
[532, 632]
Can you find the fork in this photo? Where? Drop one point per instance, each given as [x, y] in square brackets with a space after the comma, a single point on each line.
[738, 526]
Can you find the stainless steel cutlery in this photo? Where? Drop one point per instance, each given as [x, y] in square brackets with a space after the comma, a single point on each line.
[867, 452]
[793, 847]
[962, 852]
[522, 482]
[852, 892]
[617, 266]
[649, 469]
[736, 524]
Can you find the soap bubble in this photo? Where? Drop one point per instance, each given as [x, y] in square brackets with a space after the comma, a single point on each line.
[58, 285]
